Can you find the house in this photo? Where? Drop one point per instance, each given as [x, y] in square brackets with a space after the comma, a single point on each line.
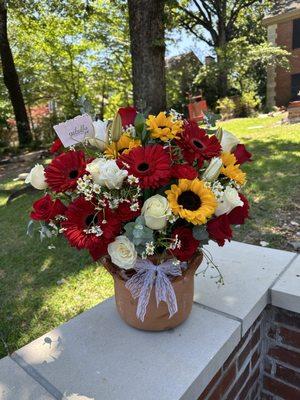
[283, 26]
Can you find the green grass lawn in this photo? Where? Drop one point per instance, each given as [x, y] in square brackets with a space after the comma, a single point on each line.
[42, 288]
[273, 186]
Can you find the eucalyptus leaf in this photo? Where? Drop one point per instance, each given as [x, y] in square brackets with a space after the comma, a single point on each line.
[200, 233]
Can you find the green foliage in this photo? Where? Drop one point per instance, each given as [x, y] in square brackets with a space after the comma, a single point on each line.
[138, 233]
[181, 73]
[226, 107]
[247, 104]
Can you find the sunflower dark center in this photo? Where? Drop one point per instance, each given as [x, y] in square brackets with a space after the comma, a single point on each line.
[91, 219]
[189, 200]
[143, 167]
[73, 174]
[198, 144]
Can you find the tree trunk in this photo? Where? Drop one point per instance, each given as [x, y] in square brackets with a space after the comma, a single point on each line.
[221, 52]
[147, 38]
[11, 80]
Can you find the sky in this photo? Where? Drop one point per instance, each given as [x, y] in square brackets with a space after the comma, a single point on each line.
[183, 42]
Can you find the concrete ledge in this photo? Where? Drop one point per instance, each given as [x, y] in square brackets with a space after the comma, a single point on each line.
[15, 384]
[249, 271]
[286, 291]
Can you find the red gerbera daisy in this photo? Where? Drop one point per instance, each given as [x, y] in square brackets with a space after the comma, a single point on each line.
[64, 170]
[125, 213]
[81, 217]
[197, 145]
[151, 164]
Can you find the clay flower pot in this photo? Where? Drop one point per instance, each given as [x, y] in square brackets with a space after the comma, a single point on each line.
[157, 317]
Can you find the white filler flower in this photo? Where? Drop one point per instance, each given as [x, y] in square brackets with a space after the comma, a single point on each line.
[228, 201]
[156, 212]
[36, 177]
[106, 173]
[122, 252]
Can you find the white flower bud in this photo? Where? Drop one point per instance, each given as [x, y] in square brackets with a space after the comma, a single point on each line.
[36, 177]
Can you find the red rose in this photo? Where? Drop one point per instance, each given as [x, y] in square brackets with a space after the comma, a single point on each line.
[183, 171]
[219, 229]
[56, 146]
[128, 115]
[188, 244]
[125, 213]
[238, 215]
[45, 209]
[241, 154]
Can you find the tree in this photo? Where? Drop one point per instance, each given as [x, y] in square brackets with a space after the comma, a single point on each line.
[11, 80]
[147, 36]
[218, 22]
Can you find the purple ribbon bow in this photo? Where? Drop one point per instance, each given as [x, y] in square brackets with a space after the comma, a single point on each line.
[148, 274]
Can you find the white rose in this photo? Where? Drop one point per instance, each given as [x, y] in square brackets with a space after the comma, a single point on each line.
[122, 252]
[106, 173]
[100, 139]
[156, 211]
[228, 141]
[37, 177]
[228, 201]
[213, 170]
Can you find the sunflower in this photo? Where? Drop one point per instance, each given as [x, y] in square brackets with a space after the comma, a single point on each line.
[231, 169]
[124, 144]
[163, 127]
[192, 201]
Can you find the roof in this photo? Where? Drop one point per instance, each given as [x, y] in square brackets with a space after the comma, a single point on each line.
[283, 10]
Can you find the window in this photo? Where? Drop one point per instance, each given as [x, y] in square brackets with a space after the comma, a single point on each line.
[295, 86]
[296, 33]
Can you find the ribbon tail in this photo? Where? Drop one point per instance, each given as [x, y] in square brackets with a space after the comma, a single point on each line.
[145, 295]
[164, 291]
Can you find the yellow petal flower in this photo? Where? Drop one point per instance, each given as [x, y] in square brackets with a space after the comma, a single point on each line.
[231, 169]
[192, 201]
[163, 127]
[124, 145]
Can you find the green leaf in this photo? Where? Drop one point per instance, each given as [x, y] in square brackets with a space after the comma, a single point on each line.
[200, 233]
[139, 124]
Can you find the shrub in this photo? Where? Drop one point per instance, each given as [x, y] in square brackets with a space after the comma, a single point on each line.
[226, 107]
[246, 104]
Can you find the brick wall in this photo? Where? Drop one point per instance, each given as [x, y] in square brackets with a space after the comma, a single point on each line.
[266, 363]
[281, 376]
[238, 379]
[284, 37]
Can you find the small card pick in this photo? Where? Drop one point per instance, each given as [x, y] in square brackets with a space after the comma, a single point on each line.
[75, 130]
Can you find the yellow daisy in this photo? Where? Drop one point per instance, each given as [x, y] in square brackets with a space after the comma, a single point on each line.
[163, 127]
[124, 144]
[192, 201]
[231, 169]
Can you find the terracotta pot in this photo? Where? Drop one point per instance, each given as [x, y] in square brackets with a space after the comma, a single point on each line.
[157, 317]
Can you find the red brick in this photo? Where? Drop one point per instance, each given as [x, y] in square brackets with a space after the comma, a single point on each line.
[290, 337]
[287, 356]
[255, 357]
[250, 345]
[224, 384]
[232, 395]
[288, 375]
[280, 389]
[287, 317]
[211, 384]
[237, 349]
[249, 385]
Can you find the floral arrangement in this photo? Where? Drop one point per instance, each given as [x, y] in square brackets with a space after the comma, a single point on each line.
[143, 186]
